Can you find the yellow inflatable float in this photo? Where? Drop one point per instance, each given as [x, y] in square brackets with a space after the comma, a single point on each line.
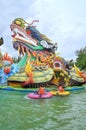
[60, 91]
[64, 93]
[54, 92]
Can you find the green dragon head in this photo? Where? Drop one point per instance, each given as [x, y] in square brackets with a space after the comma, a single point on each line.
[27, 37]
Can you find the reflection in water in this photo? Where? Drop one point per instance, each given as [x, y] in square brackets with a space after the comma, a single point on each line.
[56, 113]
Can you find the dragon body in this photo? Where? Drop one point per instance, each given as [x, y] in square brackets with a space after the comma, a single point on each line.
[41, 64]
[28, 40]
[39, 49]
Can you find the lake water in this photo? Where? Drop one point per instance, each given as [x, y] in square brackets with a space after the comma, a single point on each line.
[56, 113]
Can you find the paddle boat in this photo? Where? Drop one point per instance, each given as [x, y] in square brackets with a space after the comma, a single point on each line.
[60, 91]
[64, 93]
[40, 94]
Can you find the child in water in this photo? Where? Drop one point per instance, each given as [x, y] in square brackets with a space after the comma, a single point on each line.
[60, 88]
[41, 90]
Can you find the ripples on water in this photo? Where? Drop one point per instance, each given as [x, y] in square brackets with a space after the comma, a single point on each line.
[57, 113]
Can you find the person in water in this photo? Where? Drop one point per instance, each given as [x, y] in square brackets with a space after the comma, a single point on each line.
[60, 88]
[41, 90]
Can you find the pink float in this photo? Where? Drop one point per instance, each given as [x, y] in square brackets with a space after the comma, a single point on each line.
[38, 96]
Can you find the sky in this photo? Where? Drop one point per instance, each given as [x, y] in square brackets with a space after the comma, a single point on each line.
[63, 21]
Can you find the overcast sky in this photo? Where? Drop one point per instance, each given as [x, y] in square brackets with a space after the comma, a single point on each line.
[63, 21]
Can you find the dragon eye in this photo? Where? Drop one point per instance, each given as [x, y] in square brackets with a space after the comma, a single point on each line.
[18, 22]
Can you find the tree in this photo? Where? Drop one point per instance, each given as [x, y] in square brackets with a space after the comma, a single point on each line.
[81, 58]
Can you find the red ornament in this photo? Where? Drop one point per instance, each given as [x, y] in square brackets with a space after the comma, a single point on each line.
[28, 32]
[7, 70]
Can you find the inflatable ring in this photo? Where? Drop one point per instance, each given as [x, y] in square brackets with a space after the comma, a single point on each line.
[65, 93]
[54, 92]
[38, 96]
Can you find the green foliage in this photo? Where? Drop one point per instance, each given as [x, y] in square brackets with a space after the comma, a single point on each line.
[81, 58]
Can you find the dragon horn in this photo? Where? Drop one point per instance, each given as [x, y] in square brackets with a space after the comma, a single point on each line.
[31, 22]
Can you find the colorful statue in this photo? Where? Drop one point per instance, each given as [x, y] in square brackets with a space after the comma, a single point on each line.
[7, 68]
[39, 50]
[39, 63]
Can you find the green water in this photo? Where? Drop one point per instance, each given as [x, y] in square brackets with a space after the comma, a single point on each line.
[56, 113]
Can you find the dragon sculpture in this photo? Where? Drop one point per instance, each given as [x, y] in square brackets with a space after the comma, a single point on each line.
[39, 51]
[39, 63]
